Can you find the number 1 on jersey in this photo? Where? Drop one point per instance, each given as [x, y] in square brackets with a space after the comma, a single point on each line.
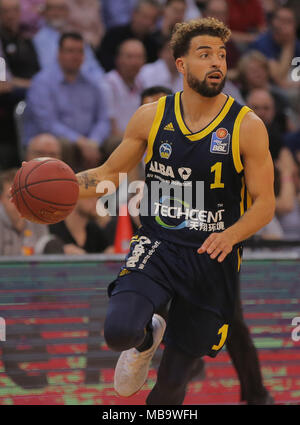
[217, 169]
[223, 331]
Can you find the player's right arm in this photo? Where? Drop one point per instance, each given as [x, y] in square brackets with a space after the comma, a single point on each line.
[124, 158]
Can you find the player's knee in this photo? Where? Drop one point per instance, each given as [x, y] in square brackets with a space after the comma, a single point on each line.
[120, 337]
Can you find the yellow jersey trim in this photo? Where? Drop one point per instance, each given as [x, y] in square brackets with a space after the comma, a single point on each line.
[242, 202]
[207, 130]
[155, 126]
[239, 259]
[236, 139]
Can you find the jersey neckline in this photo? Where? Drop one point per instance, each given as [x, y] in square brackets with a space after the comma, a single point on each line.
[207, 129]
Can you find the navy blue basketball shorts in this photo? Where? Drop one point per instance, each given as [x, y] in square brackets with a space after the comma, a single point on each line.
[202, 292]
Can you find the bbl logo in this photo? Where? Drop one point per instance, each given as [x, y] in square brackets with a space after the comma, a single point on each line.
[220, 141]
[165, 150]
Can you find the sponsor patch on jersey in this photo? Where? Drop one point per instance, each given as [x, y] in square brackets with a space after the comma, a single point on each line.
[165, 150]
[184, 172]
[220, 141]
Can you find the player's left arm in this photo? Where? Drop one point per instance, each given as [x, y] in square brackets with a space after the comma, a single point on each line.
[259, 179]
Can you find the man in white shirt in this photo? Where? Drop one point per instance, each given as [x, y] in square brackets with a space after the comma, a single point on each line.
[124, 87]
[162, 72]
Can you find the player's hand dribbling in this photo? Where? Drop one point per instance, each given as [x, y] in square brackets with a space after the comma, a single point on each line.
[217, 245]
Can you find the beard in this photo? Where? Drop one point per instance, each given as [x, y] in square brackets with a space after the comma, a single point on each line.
[203, 88]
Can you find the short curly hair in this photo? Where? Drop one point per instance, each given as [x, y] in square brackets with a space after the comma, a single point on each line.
[183, 33]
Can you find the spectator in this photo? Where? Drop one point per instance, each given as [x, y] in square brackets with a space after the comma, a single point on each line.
[262, 103]
[292, 142]
[44, 145]
[269, 7]
[254, 73]
[287, 202]
[287, 205]
[219, 9]
[31, 19]
[124, 85]
[295, 6]
[154, 93]
[173, 12]
[21, 65]
[141, 26]
[117, 13]
[163, 71]
[17, 235]
[46, 41]
[192, 10]
[66, 103]
[246, 20]
[280, 44]
[84, 17]
[79, 232]
[19, 52]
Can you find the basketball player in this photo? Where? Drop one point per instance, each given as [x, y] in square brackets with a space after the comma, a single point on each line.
[239, 344]
[185, 252]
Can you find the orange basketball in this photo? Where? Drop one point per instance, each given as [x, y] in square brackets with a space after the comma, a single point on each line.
[45, 190]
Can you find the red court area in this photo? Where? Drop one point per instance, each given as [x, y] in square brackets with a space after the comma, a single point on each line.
[55, 354]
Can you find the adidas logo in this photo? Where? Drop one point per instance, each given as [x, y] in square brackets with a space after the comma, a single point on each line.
[169, 127]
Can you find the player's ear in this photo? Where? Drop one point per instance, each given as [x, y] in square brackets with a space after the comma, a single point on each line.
[180, 65]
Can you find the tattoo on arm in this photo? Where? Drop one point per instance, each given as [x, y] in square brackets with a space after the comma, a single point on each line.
[87, 180]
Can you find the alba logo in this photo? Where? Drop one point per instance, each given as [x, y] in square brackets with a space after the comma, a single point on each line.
[165, 150]
[184, 173]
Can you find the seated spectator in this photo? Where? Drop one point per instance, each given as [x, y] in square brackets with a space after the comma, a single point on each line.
[246, 20]
[66, 103]
[163, 71]
[173, 12]
[141, 26]
[254, 73]
[154, 93]
[294, 4]
[124, 85]
[17, 235]
[192, 10]
[19, 52]
[287, 205]
[46, 40]
[21, 64]
[280, 45]
[47, 145]
[31, 19]
[219, 9]
[292, 142]
[117, 13]
[262, 103]
[84, 17]
[79, 232]
[269, 7]
[287, 202]
[44, 145]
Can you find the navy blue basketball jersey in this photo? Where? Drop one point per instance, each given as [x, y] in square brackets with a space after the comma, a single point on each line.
[194, 181]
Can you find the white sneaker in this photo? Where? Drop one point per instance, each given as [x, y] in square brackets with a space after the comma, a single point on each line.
[133, 366]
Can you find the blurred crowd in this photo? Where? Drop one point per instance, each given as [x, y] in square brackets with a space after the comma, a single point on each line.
[76, 71]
